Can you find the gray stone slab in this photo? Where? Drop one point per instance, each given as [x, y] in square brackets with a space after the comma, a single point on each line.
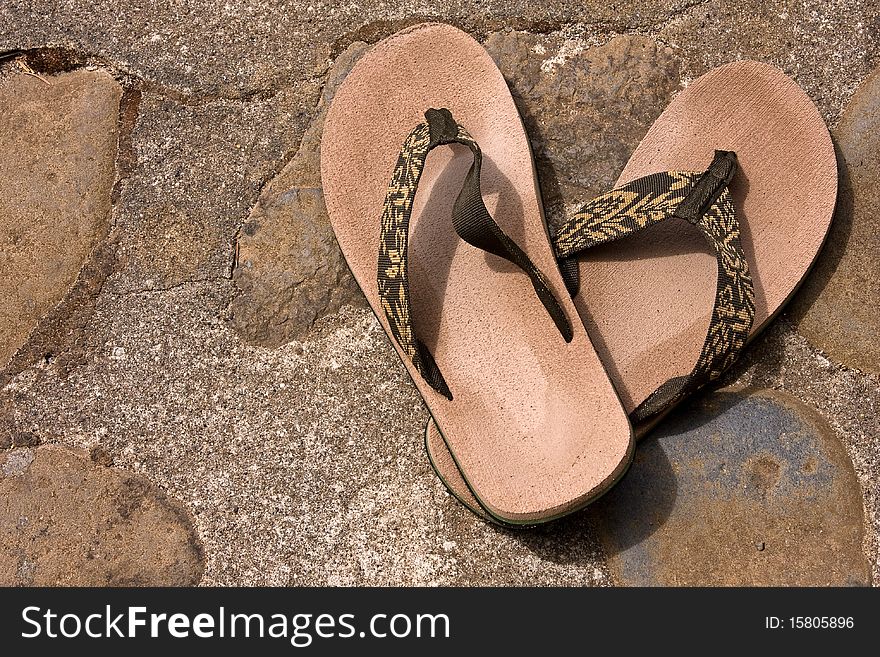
[238, 48]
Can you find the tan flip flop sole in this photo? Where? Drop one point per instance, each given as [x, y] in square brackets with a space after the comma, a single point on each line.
[535, 424]
[646, 300]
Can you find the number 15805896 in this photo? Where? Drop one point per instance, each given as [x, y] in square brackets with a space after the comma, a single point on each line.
[809, 622]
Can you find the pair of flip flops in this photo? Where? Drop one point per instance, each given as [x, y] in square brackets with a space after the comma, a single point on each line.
[540, 356]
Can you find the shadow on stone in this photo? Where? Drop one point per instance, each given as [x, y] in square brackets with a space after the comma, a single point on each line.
[651, 486]
[743, 489]
[836, 311]
[552, 195]
[765, 355]
[568, 541]
[835, 244]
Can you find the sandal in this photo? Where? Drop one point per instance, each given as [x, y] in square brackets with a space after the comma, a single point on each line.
[477, 310]
[651, 285]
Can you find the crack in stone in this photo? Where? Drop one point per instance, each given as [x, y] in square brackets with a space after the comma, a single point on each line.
[481, 29]
[49, 60]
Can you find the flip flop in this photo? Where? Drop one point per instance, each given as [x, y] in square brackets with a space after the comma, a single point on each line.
[647, 300]
[477, 311]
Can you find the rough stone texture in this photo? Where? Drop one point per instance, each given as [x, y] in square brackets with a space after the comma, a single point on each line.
[303, 463]
[288, 265]
[58, 145]
[66, 521]
[826, 46]
[738, 490]
[585, 108]
[196, 169]
[838, 309]
[241, 48]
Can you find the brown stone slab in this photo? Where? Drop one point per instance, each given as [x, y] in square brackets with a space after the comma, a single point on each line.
[57, 167]
[68, 521]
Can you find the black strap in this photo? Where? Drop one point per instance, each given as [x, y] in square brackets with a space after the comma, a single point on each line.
[472, 222]
[475, 225]
[710, 185]
[704, 201]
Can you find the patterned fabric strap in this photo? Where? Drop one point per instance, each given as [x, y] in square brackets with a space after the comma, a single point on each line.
[704, 201]
[472, 222]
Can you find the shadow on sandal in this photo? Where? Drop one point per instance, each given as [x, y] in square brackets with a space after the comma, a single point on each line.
[435, 234]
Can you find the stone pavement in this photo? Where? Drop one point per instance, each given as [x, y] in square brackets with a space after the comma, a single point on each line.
[184, 358]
